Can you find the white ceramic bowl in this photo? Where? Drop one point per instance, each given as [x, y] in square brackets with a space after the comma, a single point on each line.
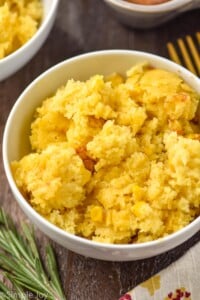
[147, 16]
[16, 60]
[16, 144]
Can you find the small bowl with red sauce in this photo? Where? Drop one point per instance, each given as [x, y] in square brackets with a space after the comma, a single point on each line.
[149, 13]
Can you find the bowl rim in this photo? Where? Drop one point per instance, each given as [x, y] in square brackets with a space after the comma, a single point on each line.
[40, 30]
[30, 211]
[156, 8]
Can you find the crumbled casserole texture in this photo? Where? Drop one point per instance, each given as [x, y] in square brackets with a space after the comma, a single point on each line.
[116, 159]
[19, 21]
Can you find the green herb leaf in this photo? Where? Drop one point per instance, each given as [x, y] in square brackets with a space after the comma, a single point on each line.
[21, 261]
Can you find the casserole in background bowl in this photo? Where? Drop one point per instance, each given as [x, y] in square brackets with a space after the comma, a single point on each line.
[148, 16]
[16, 145]
[17, 59]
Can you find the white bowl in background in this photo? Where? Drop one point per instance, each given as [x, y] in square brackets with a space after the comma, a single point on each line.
[16, 60]
[16, 145]
[148, 16]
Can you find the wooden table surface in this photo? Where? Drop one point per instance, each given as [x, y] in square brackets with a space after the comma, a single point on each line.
[82, 26]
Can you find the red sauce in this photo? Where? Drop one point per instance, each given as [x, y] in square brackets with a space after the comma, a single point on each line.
[148, 2]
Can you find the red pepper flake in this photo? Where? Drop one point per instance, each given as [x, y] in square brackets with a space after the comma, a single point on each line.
[126, 297]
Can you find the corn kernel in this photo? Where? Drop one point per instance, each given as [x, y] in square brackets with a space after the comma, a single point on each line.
[115, 79]
[96, 214]
[148, 150]
[141, 209]
[138, 193]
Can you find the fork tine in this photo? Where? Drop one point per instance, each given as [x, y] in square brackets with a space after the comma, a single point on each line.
[189, 53]
[186, 57]
[198, 37]
[194, 52]
[173, 54]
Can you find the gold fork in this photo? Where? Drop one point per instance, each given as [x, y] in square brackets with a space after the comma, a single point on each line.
[186, 52]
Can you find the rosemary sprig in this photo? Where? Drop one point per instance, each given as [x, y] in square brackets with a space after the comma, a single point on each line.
[21, 262]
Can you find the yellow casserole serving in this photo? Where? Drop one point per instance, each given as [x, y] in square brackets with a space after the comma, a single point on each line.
[116, 159]
[19, 21]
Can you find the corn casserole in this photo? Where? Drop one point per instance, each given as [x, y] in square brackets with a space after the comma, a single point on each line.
[19, 21]
[116, 159]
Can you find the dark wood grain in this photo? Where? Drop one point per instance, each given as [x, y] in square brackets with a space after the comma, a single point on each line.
[82, 26]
